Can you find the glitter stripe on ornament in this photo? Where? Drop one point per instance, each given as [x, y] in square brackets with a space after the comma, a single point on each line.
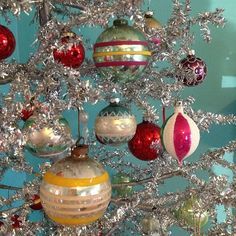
[71, 209]
[121, 63]
[73, 182]
[87, 211]
[116, 43]
[68, 198]
[103, 198]
[182, 137]
[121, 53]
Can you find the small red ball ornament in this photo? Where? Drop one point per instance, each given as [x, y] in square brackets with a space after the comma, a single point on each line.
[146, 144]
[16, 223]
[7, 42]
[36, 203]
[73, 55]
[197, 66]
[27, 113]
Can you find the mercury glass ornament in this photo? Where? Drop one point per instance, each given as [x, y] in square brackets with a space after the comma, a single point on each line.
[151, 25]
[45, 142]
[7, 42]
[115, 124]
[73, 56]
[149, 224]
[121, 52]
[146, 143]
[180, 134]
[76, 190]
[195, 65]
[192, 213]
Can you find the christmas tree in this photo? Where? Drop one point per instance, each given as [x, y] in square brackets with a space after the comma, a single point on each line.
[99, 123]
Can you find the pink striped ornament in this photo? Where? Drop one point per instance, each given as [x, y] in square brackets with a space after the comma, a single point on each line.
[180, 135]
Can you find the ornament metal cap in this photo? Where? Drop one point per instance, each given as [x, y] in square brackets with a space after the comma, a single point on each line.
[148, 14]
[120, 22]
[191, 52]
[69, 34]
[114, 100]
[80, 151]
[179, 107]
[148, 118]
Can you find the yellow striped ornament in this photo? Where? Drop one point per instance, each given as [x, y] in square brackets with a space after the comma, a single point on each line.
[76, 190]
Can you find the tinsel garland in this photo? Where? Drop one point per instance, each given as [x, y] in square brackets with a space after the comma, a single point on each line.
[41, 75]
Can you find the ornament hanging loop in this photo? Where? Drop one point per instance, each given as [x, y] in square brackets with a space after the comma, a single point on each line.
[80, 142]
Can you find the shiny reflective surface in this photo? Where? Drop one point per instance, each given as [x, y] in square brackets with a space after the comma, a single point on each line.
[46, 143]
[7, 42]
[121, 51]
[74, 55]
[77, 168]
[197, 66]
[152, 25]
[115, 125]
[146, 144]
[115, 129]
[192, 213]
[180, 135]
[81, 204]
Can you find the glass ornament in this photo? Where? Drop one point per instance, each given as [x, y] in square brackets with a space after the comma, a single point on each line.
[146, 143]
[76, 190]
[115, 124]
[195, 65]
[180, 135]
[121, 52]
[46, 142]
[72, 56]
[7, 42]
[192, 213]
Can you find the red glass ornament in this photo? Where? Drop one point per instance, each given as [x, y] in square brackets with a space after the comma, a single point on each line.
[7, 42]
[73, 56]
[195, 64]
[146, 144]
[16, 223]
[27, 113]
[36, 203]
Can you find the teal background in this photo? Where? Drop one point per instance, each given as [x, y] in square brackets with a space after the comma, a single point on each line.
[216, 94]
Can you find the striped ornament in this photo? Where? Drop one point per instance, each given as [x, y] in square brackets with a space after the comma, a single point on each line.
[75, 191]
[180, 135]
[115, 124]
[121, 51]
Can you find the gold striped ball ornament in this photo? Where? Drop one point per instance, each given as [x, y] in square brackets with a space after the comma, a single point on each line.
[76, 190]
[121, 52]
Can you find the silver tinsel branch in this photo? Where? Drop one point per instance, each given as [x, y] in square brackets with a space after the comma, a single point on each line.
[43, 80]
